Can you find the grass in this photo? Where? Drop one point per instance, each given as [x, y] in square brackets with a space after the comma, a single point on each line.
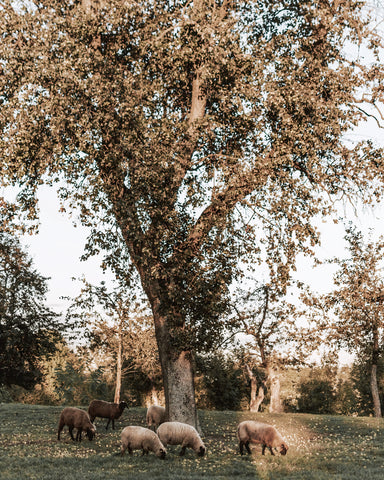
[320, 447]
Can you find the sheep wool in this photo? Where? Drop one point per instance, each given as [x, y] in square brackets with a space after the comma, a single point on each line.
[250, 431]
[177, 433]
[76, 418]
[140, 438]
[155, 416]
[102, 409]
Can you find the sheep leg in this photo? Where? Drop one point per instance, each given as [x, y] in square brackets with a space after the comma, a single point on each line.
[108, 423]
[182, 451]
[113, 423]
[241, 445]
[59, 431]
[247, 447]
[71, 433]
[271, 450]
[130, 450]
[78, 435]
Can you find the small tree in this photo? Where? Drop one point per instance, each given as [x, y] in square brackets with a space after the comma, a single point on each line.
[118, 327]
[354, 310]
[275, 340]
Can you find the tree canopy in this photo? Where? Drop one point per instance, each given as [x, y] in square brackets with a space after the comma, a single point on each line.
[194, 137]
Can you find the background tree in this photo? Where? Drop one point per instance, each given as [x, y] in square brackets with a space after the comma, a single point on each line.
[181, 130]
[273, 340]
[29, 330]
[353, 313]
[118, 329]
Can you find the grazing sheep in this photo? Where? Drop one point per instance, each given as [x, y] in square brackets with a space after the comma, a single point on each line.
[112, 411]
[176, 433]
[136, 438]
[155, 416]
[260, 433]
[76, 418]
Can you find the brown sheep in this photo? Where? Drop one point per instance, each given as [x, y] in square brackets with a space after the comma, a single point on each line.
[102, 409]
[260, 433]
[76, 418]
[140, 438]
[155, 416]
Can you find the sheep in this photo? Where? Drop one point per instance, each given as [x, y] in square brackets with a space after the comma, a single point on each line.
[155, 416]
[177, 433]
[76, 418]
[250, 431]
[136, 438]
[102, 409]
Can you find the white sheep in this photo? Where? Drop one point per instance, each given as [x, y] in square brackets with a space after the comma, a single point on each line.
[140, 438]
[76, 418]
[177, 433]
[102, 409]
[250, 431]
[155, 416]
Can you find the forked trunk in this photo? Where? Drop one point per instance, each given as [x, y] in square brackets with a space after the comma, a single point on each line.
[257, 396]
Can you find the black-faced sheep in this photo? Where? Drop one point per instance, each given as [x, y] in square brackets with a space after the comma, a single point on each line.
[155, 416]
[102, 409]
[75, 418]
[177, 433]
[260, 433]
[140, 438]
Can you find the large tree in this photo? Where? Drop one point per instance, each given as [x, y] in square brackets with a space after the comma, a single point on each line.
[180, 129]
[29, 330]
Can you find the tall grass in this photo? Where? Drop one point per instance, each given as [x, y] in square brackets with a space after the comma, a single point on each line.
[320, 447]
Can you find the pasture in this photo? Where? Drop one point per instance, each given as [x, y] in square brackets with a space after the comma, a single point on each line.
[320, 447]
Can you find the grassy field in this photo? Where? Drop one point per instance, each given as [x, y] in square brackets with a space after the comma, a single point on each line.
[320, 447]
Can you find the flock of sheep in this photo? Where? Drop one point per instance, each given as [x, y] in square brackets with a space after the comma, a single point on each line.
[166, 433]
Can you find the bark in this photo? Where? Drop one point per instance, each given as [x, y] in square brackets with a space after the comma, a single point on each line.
[118, 368]
[177, 367]
[275, 405]
[374, 385]
[375, 392]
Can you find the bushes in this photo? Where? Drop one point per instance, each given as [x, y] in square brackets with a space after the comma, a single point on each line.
[221, 383]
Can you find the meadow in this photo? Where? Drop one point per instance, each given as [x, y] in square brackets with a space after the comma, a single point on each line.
[320, 447]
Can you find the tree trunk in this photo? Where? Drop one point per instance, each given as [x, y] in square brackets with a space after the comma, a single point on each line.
[374, 386]
[118, 367]
[275, 401]
[375, 392]
[177, 367]
[256, 400]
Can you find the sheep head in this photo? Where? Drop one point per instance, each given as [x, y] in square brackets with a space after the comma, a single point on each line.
[91, 432]
[283, 449]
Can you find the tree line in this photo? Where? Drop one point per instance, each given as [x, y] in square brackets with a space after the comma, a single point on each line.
[118, 357]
